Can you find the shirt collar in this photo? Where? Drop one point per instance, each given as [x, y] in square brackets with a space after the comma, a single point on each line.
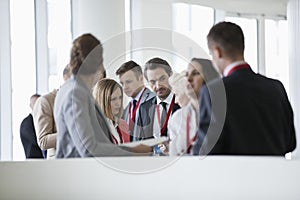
[137, 97]
[168, 100]
[232, 65]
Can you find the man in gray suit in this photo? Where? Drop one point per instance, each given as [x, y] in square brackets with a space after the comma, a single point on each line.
[82, 128]
[132, 81]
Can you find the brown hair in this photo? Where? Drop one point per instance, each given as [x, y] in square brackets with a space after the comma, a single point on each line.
[130, 65]
[102, 93]
[155, 63]
[86, 55]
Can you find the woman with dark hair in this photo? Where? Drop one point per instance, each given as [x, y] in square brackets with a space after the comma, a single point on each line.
[82, 128]
[183, 124]
[109, 96]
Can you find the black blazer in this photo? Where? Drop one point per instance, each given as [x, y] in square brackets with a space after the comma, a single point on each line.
[144, 127]
[254, 118]
[28, 138]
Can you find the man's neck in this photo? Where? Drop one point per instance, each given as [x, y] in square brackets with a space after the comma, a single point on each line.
[138, 92]
[164, 98]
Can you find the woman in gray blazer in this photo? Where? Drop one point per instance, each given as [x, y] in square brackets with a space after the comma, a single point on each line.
[82, 128]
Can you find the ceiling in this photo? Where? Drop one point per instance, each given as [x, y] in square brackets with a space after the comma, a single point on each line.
[272, 8]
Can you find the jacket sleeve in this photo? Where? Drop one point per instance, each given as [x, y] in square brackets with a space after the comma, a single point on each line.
[44, 124]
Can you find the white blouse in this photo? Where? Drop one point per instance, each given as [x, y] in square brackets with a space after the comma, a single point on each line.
[113, 129]
[178, 129]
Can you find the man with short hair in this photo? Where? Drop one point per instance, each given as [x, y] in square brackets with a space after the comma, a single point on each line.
[154, 114]
[131, 78]
[251, 115]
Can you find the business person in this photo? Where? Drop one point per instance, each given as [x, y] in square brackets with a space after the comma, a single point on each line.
[82, 128]
[27, 134]
[258, 118]
[43, 118]
[154, 114]
[109, 97]
[183, 124]
[131, 78]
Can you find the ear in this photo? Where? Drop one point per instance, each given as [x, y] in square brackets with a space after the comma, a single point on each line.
[218, 52]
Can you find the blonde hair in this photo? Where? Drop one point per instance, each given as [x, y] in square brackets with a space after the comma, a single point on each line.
[102, 93]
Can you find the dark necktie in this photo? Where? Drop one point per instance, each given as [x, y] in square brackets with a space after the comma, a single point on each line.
[133, 107]
[163, 117]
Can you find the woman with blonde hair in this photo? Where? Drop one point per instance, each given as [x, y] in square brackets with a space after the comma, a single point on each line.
[109, 96]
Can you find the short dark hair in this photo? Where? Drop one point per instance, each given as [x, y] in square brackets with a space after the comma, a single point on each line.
[130, 66]
[155, 63]
[86, 46]
[229, 37]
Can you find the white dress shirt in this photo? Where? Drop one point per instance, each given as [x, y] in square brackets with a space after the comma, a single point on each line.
[232, 65]
[156, 123]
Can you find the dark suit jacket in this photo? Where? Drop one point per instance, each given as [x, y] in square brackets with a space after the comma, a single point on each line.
[256, 114]
[144, 128]
[28, 138]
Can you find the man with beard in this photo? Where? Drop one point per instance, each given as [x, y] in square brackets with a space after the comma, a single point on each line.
[154, 114]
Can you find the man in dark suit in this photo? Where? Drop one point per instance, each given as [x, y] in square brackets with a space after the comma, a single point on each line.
[132, 81]
[154, 114]
[27, 134]
[243, 113]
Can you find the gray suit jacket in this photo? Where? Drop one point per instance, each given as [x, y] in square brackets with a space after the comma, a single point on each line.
[82, 128]
[145, 97]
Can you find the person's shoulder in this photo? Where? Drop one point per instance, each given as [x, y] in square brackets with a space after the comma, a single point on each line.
[270, 81]
[180, 114]
[150, 101]
[26, 120]
[148, 94]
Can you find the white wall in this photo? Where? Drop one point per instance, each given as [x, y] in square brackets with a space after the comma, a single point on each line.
[106, 20]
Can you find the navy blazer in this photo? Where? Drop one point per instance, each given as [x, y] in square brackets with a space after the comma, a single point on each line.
[144, 127]
[28, 138]
[252, 116]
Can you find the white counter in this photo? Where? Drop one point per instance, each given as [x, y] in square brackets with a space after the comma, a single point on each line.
[152, 178]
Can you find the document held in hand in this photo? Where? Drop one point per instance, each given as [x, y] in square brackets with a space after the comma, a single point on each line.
[149, 142]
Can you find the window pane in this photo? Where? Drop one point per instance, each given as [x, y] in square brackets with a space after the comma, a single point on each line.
[249, 27]
[194, 22]
[59, 39]
[23, 66]
[276, 44]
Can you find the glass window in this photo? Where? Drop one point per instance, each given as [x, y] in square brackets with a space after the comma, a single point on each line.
[59, 39]
[23, 66]
[194, 22]
[276, 44]
[249, 27]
